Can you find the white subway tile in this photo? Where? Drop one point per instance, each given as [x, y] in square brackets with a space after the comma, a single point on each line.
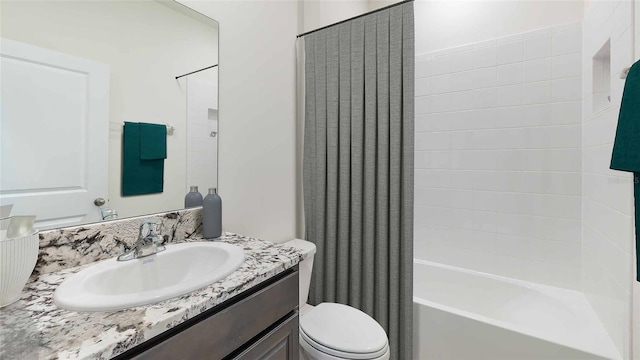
[552, 160]
[498, 158]
[462, 140]
[441, 159]
[422, 86]
[440, 65]
[537, 70]
[484, 57]
[423, 105]
[461, 81]
[567, 42]
[484, 221]
[569, 89]
[462, 100]
[509, 95]
[569, 112]
[461, 61]
[614, 225]
[507, 117]
[535, 115]
[433, 141]
[569, 65]
[423, 123]
[483, 78]
[422, 159]
[537, 48]
[440, 84]
[622, 19]
[484, 98]
[423, 68]
[550, 137]
[510, 53]
[509, 74]
[536, 93]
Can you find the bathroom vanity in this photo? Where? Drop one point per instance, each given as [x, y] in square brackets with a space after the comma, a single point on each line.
[261, 323]
[250, 314]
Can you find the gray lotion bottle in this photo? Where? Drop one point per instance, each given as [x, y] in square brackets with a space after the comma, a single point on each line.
[212, 215]
[193, 198]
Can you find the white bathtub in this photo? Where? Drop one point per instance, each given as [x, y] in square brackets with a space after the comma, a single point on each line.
[461, 314]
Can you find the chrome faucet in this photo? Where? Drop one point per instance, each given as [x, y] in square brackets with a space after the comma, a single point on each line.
[149, 241]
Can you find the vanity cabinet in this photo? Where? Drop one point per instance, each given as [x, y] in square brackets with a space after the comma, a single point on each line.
[280, 343]
[261, 323]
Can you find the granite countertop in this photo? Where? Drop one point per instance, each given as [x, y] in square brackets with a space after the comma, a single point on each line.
[34, 328]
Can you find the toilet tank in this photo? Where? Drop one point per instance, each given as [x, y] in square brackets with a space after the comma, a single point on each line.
[305, 266]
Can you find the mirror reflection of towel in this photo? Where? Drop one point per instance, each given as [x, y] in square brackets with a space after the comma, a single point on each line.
[153, 141]
[144, 148]
[626, 148]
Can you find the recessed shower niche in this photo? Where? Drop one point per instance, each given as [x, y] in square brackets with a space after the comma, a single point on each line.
[601, 78]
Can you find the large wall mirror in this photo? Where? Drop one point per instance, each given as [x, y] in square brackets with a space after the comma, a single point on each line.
[72, 74]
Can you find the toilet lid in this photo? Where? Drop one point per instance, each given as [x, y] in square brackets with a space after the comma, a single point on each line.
[344, 329]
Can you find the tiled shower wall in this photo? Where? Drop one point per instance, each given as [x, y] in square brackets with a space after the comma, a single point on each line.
[498, 156]
[607, 194]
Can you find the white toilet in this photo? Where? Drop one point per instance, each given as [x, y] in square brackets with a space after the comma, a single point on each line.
[334, 331]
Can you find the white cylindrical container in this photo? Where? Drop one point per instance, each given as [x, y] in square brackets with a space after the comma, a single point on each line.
[18, 258]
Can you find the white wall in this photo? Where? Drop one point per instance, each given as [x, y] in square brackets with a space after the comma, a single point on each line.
[449, 23]
[112, 34]
[498, 156]
[607, 195]
[316, 14]
[257, 149]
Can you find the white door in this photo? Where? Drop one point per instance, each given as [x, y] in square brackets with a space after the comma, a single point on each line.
[54, 134]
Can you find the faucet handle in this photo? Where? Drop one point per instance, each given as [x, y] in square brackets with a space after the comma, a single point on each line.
[150, 228]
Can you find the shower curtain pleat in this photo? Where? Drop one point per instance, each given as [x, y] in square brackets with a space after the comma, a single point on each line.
[382, 177]
[357, 164]
[369, 190]
[395, 176]
[358, 167]
[332, 161]
[344, 173]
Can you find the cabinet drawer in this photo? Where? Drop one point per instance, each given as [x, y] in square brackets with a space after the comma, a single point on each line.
[281, 343]
[228, 329]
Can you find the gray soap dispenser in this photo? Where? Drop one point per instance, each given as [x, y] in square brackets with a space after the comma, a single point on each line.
[193, 198]
[212, 215]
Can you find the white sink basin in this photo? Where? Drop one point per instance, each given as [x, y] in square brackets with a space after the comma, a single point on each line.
[180, 269]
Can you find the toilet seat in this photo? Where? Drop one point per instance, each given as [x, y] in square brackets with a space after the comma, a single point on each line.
[344, 332]
[329, 353]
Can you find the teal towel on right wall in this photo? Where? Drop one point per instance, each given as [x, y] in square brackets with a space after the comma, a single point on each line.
[626, 148]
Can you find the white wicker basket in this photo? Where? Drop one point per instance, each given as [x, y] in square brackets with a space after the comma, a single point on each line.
[18, 257]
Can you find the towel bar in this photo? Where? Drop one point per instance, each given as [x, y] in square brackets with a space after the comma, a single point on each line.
[624, 73]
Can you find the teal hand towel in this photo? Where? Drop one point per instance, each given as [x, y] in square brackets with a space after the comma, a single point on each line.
[139, 176]
[626, 148]
[153, 141]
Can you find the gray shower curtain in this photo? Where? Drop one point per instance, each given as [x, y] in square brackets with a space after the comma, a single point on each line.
[358, 167]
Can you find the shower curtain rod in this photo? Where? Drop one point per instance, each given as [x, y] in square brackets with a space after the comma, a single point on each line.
[193, 72]
[355, 17]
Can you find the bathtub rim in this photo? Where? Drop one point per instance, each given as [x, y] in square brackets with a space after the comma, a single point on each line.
[503, 324]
